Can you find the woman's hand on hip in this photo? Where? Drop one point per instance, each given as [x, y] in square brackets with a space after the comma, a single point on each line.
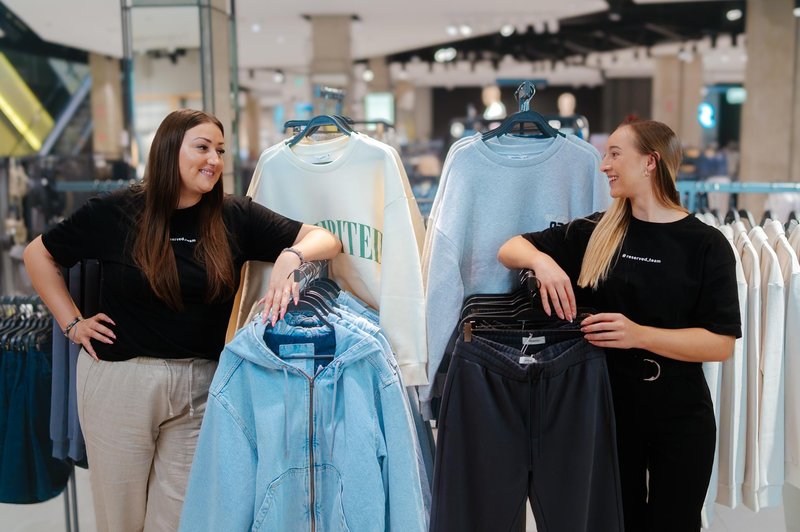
[614, 330]
[87, 329]
[282, 288]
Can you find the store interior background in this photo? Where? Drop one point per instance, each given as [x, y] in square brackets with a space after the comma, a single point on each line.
[85, 83]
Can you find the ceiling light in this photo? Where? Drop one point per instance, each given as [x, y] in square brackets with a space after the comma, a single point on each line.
[279, 76]
[368, 75]
[733, 14]
[685, 55]
[796, 12]
[538, 26]
[451, 30]
[552, 25]
[613, 16]
[443, 55]
[2, 33]
[255, 28]
[507, 30]
[465, 30]
[403, 74]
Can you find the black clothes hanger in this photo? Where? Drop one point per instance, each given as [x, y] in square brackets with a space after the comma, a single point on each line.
[315, 123]
[524, 94]
[748, 217]
[732, 216]
[767, 216]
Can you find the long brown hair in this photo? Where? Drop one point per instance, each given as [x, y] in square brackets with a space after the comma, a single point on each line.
[161, 185]
[650, 138]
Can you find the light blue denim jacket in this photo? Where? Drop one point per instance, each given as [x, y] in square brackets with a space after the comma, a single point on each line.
[267, 421]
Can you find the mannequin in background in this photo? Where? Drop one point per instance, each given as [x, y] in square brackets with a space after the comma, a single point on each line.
[495, 110]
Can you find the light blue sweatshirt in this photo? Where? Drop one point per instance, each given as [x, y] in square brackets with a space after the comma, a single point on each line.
[496, 191]
[287, 447]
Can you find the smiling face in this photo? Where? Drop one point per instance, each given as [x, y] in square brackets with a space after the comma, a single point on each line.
[629, 171]
[200, 162]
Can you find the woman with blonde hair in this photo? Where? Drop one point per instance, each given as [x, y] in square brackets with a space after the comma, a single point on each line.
[664, 284]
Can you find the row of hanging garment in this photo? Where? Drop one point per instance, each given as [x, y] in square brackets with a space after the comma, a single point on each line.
[357, 188]
[756, 392]
[522, 176]
[528, 391]
[28, 471]
[308, 426]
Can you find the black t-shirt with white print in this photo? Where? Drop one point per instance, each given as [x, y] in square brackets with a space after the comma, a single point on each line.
[668, 275]
[104, 229]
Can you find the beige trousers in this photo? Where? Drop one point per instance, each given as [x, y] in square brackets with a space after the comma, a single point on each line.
[141, 419]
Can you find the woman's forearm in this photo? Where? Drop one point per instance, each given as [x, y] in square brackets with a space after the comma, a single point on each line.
[48, 282]
[316, 243]
[690, 345]
[517, 254]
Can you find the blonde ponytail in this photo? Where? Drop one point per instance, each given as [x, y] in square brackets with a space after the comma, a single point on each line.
[604, 243]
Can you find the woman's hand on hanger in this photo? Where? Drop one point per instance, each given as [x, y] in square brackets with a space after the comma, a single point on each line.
[282, 288]
[87, 329]
[613, 330]
[555, 288]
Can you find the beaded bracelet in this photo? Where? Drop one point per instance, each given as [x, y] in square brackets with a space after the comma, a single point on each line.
[296, 252]
[72, 324]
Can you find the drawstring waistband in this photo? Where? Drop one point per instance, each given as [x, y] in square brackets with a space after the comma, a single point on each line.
[170, 383]
[169, 388]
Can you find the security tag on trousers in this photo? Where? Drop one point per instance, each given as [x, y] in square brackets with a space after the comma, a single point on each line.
[527, 360]
[533, 340]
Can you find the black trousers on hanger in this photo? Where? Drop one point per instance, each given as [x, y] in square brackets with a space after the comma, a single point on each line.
[665, 430]
[515, 425]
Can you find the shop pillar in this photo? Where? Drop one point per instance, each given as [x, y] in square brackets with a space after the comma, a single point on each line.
[677, 92]
[108, 131]
[770, 141]
[331, 60]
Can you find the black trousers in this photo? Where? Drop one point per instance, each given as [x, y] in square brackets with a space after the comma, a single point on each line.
[665, 430]
[510, 430]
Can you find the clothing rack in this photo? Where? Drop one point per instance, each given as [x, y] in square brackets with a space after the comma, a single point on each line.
[689, 190]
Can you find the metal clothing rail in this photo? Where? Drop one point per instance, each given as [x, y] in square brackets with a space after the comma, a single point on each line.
[689, 190]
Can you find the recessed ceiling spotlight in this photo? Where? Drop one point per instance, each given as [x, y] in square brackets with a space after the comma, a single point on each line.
[507, 30]
[685, 55]
[614, 16]
[368, 75]
[443, 55]
[796, 12]
[451, 30]
[255, 28]
[279, 76]
[733, 14]
[465, 30]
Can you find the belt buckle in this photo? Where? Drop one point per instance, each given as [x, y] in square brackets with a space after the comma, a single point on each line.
[658, 370]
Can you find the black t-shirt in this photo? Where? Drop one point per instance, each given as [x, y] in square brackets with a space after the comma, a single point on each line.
[104, 229]
[668, 275]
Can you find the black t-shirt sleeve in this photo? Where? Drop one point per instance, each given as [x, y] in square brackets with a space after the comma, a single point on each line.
[266, 233]
[717, 308]
[77, 237]
[566, 244]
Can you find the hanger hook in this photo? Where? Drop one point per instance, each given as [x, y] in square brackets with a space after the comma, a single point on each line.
[524, 94]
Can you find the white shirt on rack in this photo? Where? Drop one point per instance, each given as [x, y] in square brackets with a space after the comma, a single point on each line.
[752, 270]
[771, 385]
[790, 268]
[733, 411]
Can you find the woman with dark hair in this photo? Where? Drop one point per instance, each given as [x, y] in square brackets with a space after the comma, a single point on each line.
[171, 250]
[665, 286]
